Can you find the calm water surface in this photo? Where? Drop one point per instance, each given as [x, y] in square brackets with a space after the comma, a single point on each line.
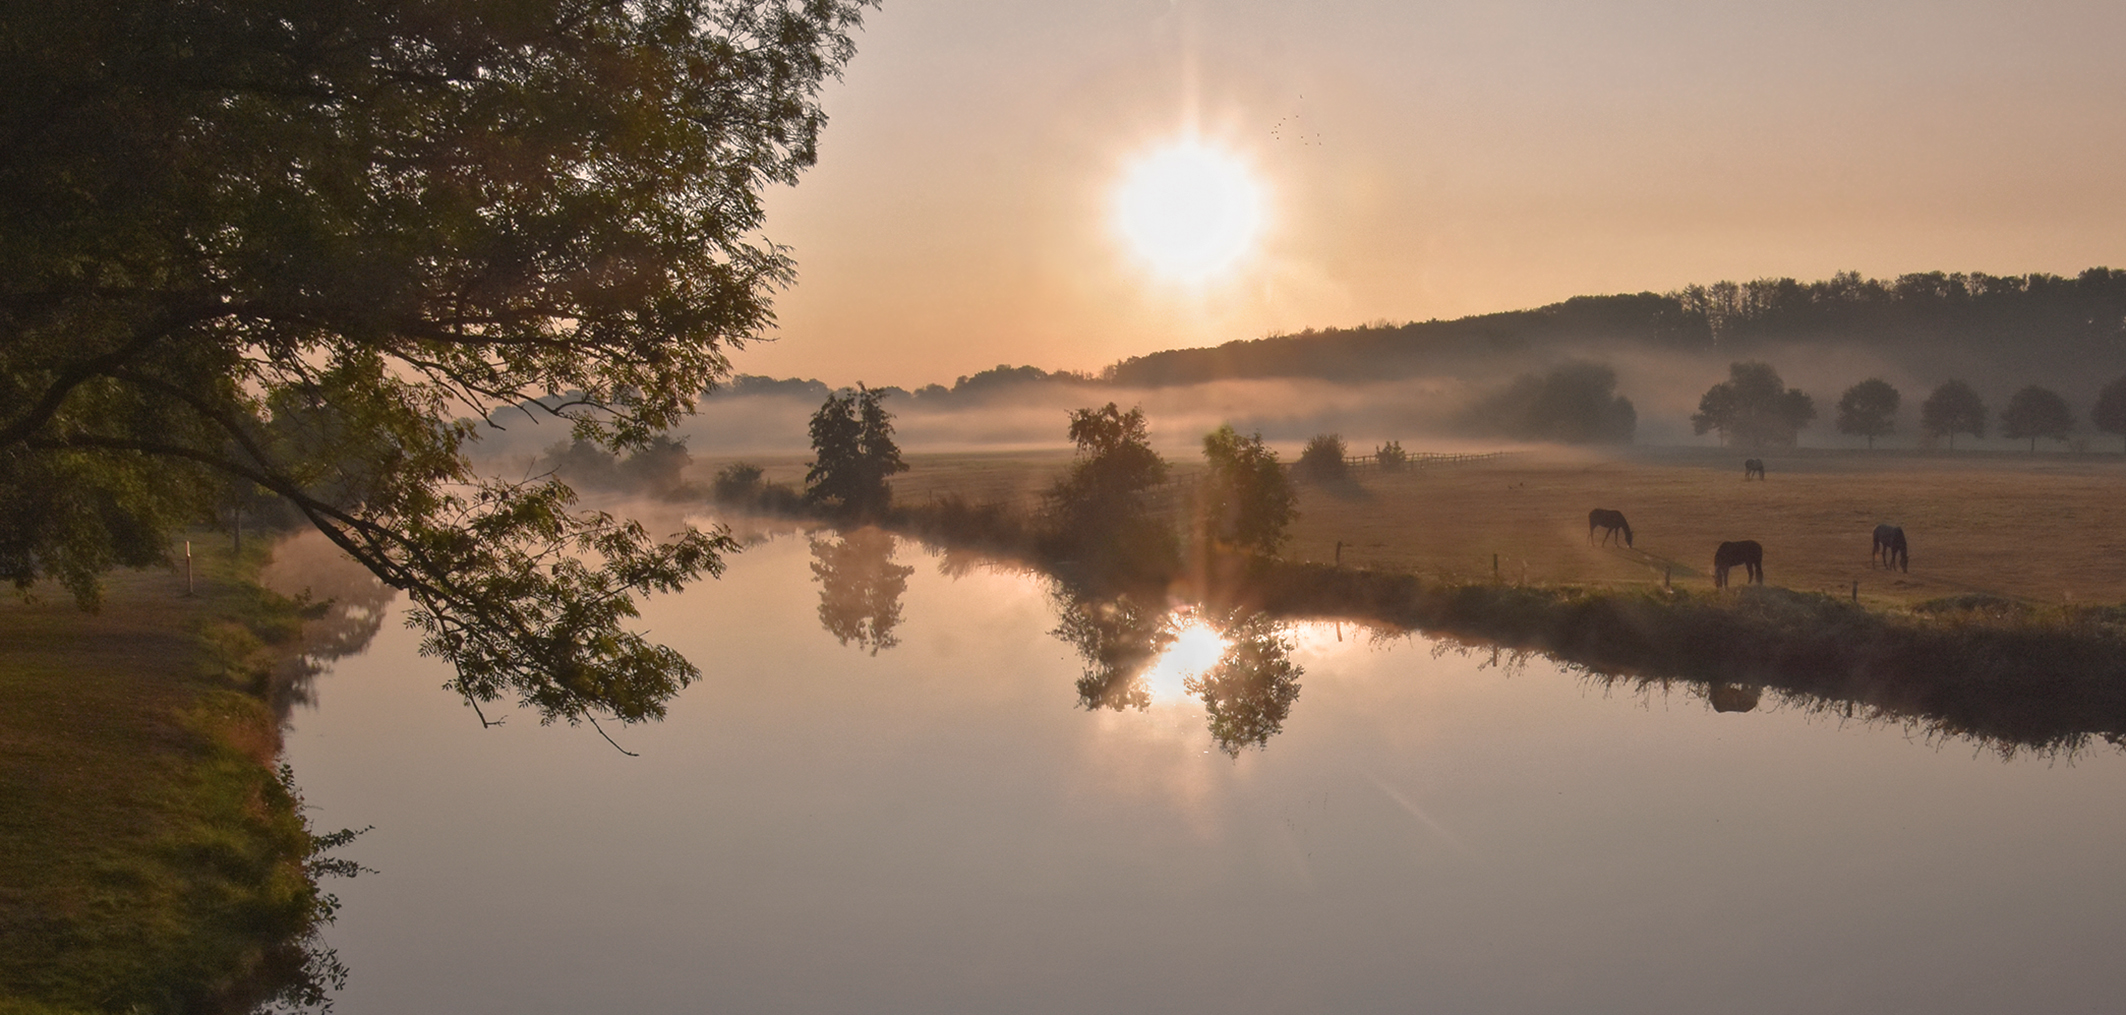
[936, 827]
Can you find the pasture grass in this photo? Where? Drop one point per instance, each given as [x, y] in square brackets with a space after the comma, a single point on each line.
[150, 859]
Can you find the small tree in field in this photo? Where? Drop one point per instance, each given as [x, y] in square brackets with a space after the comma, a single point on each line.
[1100, 513]
[2110, 412]
[1753, 408]
[1869, 409]
[1952, 409]
[2036, 412]
[1322, 460]
[854, 453]
[1391, 457]
[1246, 501]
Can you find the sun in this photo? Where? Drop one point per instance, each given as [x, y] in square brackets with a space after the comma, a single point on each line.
[1189, 210]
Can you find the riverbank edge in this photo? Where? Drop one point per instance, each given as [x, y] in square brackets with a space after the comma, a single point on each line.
[156, 855]
[2007, 674]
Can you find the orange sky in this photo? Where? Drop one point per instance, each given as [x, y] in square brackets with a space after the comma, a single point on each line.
[1428, 160]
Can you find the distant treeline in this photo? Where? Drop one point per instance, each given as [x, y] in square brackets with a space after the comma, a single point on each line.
[2046, 321]
[976, 387]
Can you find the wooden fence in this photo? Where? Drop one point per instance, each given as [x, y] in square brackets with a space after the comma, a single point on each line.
[1424, 459]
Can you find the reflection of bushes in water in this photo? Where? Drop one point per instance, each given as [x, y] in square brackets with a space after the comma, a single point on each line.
[1118, 638]
[860, 588]
[1249, 692]
[2049, 678]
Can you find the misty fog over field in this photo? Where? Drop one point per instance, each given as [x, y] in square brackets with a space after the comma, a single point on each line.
[1465, 384]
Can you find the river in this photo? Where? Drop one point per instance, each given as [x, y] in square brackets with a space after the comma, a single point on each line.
[890, 799]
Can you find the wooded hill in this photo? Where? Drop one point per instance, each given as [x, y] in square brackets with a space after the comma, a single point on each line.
[2025, 324]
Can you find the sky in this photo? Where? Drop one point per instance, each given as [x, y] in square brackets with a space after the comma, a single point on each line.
[1422, 160]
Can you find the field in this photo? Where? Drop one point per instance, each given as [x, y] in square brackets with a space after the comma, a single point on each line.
[2045, 528]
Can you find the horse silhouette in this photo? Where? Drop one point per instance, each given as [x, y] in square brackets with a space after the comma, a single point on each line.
[1890, 546]
[1746, 554]
[1609, 522]
[1752, 467]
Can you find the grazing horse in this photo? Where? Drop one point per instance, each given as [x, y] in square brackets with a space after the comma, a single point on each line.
[1890, 546]
[1609, 522]
[1752, 467]
[1745, 554]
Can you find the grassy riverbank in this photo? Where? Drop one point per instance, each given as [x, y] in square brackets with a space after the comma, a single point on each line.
[2002, 662]
[150, 859]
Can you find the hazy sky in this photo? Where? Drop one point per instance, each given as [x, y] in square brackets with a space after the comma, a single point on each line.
[1427, 160]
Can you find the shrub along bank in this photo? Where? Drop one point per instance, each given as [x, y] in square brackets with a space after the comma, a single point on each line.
[151, 858]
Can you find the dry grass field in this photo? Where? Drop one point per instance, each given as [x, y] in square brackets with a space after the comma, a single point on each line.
[2047, 528]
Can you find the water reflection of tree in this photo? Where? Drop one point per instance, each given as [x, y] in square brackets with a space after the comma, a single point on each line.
[307, 565]
[1250, 691]
[1118, 637]
[860, 588]
[1247, 693]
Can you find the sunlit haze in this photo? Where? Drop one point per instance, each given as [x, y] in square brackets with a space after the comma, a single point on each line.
[1426, 161]
[1188, 210]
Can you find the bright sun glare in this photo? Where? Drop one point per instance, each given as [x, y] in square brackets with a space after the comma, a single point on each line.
[1196, 647]
[1189, 210]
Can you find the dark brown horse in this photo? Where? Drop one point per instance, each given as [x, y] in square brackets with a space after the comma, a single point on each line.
[1609, 522]
[1890, 547]
[1752, 467]
[1745, 554]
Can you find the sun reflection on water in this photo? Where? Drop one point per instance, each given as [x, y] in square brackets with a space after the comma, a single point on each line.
[1196, 647]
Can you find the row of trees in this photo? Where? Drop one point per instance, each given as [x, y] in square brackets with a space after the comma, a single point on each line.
[1753, 408]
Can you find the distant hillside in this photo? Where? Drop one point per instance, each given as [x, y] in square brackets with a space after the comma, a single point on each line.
[2043, 324]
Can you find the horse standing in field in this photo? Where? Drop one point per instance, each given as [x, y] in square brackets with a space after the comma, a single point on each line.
[1746, 554]
[1890, 546]
[1752, 467]
[1609, 522]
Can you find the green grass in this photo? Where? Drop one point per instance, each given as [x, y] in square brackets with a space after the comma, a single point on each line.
[150, 860]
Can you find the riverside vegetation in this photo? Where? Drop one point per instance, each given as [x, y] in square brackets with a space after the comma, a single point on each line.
[152, 857]
[2007, 668]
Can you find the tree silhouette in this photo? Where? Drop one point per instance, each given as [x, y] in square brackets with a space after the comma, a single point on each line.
[1869, 409]
[2110, 412]
[1246, 501]
[1322, 460]
[2036, 412]
[318, 246]
[1575, 403]
[853, 454]
[1753, 408]
[1100, 513]
[1952, 409]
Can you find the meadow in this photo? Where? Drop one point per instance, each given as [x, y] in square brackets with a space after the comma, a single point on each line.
[2044, 528]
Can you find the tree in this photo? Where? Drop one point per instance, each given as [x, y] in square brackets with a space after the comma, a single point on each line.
[1391, 457]
[1246, 500]
[1322, 460]
[853, 454]
[2110, 412]
[1869, 409]
[318, 247]
[2036, 412]
[1952, 409]
[1101, 514]
[1575, 403]
[1754, 408]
